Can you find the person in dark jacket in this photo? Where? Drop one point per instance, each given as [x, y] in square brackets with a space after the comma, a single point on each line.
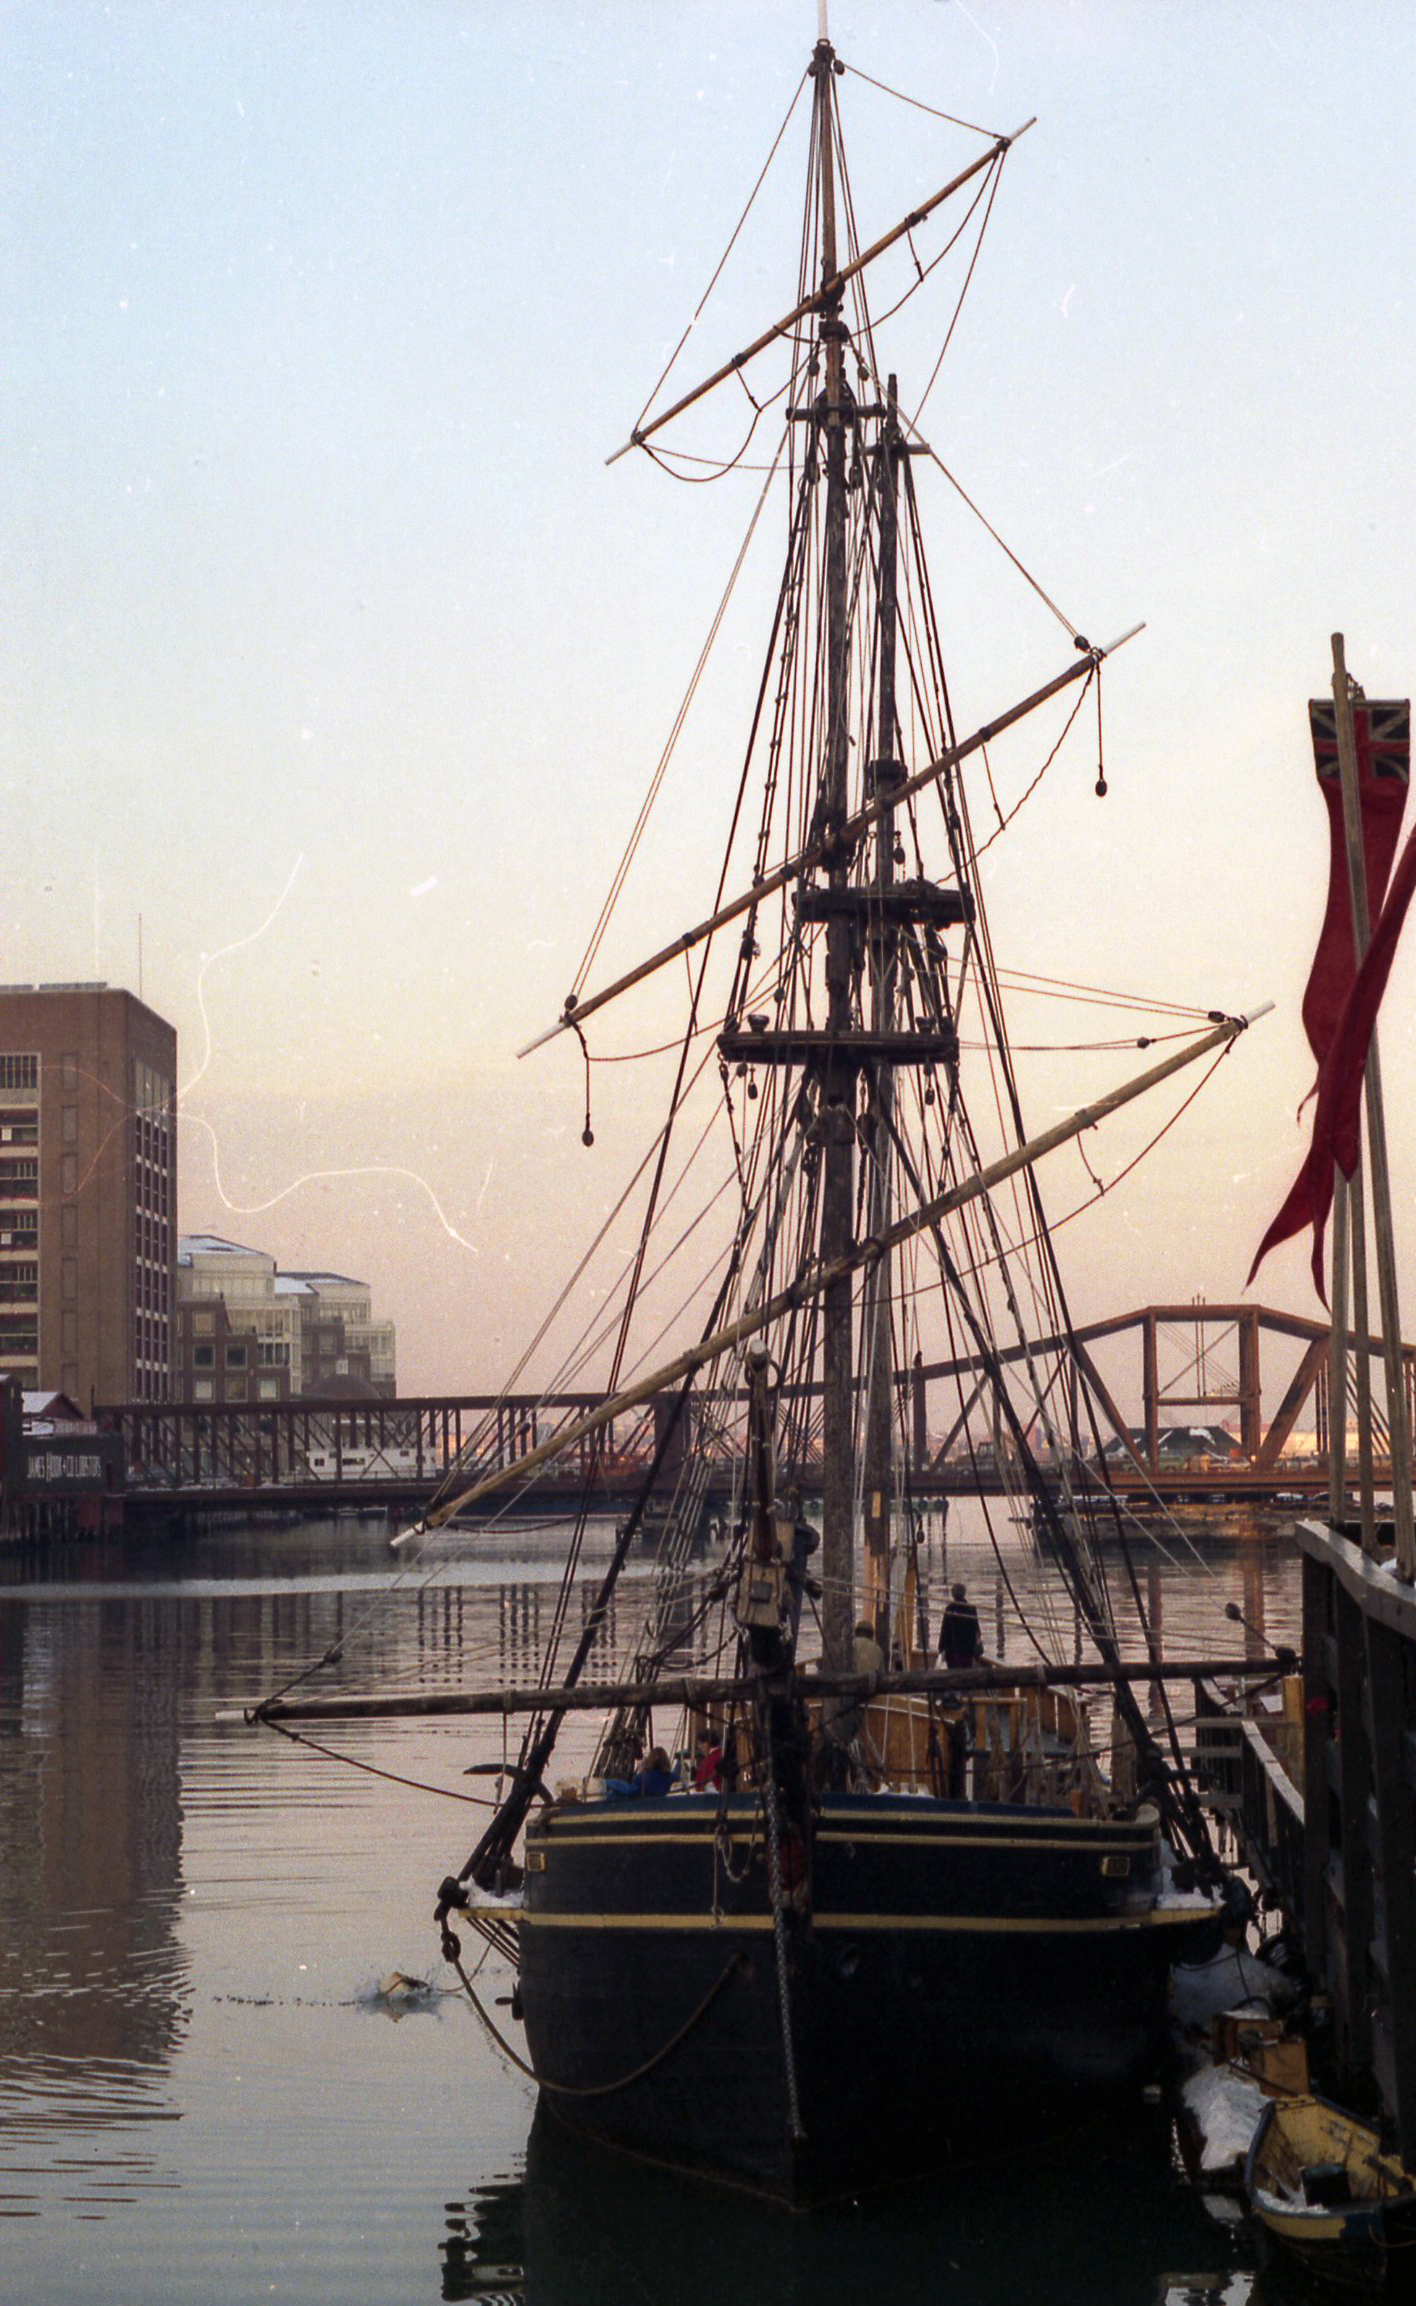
[960, 1635]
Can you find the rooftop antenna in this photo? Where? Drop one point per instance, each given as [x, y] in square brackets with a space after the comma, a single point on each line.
[822, 32]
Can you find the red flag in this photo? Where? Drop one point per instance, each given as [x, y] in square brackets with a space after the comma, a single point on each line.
[1383, 743]
[1337, 1122]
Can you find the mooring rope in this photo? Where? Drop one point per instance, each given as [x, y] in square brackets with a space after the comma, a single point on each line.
[734, 1963]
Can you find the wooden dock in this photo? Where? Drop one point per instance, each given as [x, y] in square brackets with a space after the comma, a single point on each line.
[1336, 1852]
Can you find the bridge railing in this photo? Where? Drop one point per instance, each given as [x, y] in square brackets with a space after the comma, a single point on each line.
[187, 1446]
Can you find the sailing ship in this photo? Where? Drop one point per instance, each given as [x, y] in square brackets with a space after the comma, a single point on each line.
[878, 1904]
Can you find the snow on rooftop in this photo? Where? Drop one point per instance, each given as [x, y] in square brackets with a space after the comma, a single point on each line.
[50, 1410]
[190, 1245]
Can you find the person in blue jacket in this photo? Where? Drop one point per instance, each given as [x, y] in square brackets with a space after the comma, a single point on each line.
[655, 1777]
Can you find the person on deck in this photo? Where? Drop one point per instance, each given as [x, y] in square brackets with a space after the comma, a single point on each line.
[960, 1635]
[707, 1763]
[656, 1777]
[866, 1654]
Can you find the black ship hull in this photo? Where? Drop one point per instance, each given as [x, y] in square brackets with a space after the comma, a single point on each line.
[935, 1970]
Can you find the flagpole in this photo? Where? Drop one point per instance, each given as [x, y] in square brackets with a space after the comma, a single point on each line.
[1400, 1439]
[1362, 1359]
[1337, 1356]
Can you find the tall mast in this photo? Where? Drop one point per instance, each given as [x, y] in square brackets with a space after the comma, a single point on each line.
[837, 1085]
[883, 949]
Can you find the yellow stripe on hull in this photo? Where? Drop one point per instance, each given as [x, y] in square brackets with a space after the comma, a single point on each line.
[1025, 1924]
[705, 1840]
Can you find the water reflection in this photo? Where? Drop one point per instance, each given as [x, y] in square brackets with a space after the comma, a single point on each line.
[483, 2252]
[1074, 2221]
[189, 1913]
[92, 1980]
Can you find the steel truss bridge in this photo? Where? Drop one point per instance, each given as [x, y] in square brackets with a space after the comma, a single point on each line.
[1179, 1361]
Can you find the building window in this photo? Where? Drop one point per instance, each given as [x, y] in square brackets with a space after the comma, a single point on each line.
[69, 1074]
[69, 1124]
[68, 1174]
[19, 1070]
[201, 1390]
[204, 1357]
[270, 1389]
[68, 1229]
[235, 1356]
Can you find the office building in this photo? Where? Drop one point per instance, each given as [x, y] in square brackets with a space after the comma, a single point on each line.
[88, 1192]
[343, 1348]
[248, 1332]
[237, 1339]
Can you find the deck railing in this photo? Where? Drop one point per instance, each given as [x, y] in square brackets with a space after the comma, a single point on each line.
[1244, 1778]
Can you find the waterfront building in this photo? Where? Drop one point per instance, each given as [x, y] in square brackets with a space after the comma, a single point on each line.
[344, 1349]
[248, 1332]
[238, 1337]
[88, 1192]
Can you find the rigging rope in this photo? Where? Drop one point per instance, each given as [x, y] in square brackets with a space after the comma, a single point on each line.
[658, 386]
[993, 178]
[371, 1769]
[676, 730]
[1026, 795]
[991, 135]
[911, 426]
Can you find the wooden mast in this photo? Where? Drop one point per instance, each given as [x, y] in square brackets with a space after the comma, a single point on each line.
[836, 1113]
[882, 943]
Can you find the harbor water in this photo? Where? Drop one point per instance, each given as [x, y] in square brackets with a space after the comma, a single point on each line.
[211, 2088]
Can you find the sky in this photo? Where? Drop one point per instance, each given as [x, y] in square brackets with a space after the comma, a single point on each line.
[335, 660]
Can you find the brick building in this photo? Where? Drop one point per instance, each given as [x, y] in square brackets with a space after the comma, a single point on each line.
[343, 1348]
[248, 1332]
[237, 1339]
[88, 1192]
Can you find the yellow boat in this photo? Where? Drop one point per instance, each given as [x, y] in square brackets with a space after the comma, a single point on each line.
[1319, 2182]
